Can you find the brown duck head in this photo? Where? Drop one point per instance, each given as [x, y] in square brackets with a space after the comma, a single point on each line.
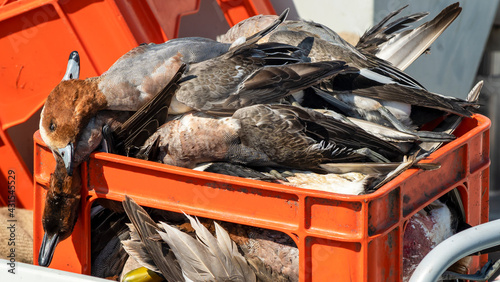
[68, 109]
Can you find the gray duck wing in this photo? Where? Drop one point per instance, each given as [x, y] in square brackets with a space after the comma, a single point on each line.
[260, 74]
[146, 228]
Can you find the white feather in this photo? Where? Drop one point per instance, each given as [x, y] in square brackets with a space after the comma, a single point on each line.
[209, 258]
[239, 41]
[375, 76]
[230, 249]
[209, 241]
[192, 256]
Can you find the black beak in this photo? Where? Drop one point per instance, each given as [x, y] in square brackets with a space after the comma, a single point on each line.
[73, 68]
[47, 249]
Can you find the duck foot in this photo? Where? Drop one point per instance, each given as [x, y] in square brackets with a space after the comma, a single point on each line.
[279, 175]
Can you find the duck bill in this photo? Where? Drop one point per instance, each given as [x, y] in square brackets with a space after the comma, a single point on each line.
[47, 249]
[73, 68]
[67, 154]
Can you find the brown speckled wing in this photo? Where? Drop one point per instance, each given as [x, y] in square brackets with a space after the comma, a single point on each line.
[282, 136]
[303, 138]
[212, 81]
[342, 132]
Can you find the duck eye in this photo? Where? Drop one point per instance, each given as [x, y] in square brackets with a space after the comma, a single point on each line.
[52, 127]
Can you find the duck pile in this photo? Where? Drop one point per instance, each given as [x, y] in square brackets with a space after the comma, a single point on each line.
[276, 100]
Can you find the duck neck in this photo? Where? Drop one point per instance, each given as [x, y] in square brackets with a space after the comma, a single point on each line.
[62, 202]
[93, 100]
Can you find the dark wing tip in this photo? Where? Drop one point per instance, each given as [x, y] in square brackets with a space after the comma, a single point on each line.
[254, 38]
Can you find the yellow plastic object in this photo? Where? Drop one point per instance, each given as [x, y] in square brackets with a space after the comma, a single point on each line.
[142, 274]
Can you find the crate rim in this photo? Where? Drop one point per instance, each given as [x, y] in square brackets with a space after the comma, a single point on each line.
[483, 123]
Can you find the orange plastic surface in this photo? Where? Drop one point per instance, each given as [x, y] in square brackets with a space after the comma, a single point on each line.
[340, 237]
[36, 37]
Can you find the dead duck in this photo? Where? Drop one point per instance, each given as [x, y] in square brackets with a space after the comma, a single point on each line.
[60, 212]
[239, 76]
[380, 91]
[73, 103]
[265, 135]
[63, 196]
[60, 215]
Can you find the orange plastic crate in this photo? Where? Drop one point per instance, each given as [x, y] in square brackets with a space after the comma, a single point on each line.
[340, 237]
[36, 37]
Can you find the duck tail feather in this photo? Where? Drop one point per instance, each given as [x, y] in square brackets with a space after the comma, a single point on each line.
[146, 227]
[229, 248]
[194, 258]
[404, 48]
